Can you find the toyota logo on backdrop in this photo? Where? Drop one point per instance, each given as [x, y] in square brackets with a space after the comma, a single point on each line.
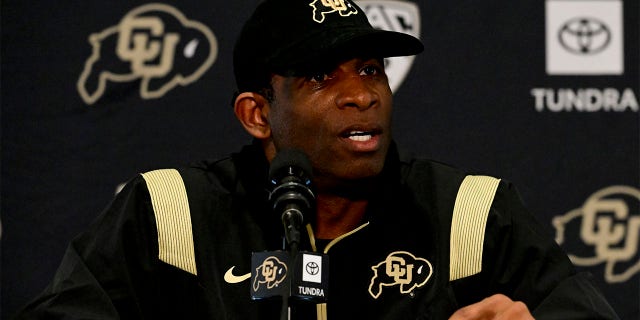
[584, 35]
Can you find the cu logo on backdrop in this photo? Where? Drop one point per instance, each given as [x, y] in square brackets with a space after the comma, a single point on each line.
[155, 44]
[605, 230]
[584, 35]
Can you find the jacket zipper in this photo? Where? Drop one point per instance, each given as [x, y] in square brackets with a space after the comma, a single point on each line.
[321, 308]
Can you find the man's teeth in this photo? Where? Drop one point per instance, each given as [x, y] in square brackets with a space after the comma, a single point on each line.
[359, 136]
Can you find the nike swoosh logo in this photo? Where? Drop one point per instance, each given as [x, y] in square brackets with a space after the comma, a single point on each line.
[229, 277]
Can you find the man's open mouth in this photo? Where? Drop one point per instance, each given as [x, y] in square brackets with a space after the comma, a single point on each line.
[360, 135]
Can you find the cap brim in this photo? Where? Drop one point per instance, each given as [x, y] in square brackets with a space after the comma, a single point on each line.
[331, 46]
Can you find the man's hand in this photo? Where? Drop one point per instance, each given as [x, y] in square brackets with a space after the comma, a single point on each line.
[496, 307]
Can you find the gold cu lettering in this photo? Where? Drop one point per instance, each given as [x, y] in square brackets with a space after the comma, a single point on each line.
[607, 224]
[137, 47]
[397, 268]
[269, 271]
[337, 5]
[602, 232]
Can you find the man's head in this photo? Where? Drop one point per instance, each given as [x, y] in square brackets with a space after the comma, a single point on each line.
[311, 76]
[286, 35]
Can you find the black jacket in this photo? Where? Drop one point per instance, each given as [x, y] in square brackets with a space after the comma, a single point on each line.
[113, 269]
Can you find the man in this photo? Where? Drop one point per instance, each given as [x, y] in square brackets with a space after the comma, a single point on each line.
[406, 239]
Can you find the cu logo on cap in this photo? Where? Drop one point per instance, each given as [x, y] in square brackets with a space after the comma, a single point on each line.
[323, 7]
[584, 36]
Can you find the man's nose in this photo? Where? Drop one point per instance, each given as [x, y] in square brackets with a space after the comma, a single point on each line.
[357, 92]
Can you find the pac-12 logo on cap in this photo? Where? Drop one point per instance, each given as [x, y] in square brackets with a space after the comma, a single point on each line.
[401, 269]
[154, 44]
[323, 7]
[399, 16]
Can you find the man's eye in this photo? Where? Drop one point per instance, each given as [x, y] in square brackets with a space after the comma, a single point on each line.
[319, 77]
[370, 70]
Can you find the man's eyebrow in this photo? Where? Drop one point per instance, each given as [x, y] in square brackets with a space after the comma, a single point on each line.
[307, 72]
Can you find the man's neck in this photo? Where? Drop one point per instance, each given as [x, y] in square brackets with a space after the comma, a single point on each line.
[337, 215]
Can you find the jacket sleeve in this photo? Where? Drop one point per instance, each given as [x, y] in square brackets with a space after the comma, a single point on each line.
[521, 260]
[575, 297]
[104, 269]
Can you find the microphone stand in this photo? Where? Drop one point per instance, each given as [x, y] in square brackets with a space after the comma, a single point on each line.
[292, 221]
[289, 174]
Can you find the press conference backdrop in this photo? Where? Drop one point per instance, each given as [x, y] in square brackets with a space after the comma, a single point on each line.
[542, 93]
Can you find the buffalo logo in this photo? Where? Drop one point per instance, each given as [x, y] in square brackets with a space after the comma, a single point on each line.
[584, 36]
[271, 273]
[323, 7]
[153, 43]
[609, 225]
[399, 16]
[400, 268]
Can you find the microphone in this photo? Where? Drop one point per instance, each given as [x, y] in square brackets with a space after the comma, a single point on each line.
[291, 194]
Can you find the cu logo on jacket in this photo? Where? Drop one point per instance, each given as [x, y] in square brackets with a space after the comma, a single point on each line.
[401, 269]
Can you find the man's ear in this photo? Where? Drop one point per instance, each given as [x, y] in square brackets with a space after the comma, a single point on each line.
[252, 109]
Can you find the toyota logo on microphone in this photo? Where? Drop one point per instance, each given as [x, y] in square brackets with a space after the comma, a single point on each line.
[312, 268]
[584, 36]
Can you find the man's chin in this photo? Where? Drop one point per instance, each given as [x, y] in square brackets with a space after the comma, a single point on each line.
[356, 183]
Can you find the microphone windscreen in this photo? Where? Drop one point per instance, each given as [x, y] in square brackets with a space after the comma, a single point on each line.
[289, 158]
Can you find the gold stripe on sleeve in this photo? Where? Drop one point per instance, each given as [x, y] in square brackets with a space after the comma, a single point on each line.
[173, 218]
[321, 311]
[468, 224]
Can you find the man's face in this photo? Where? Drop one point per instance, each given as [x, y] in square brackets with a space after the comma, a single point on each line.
[341, 118]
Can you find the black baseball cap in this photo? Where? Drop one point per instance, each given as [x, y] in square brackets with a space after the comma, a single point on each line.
[285, 36]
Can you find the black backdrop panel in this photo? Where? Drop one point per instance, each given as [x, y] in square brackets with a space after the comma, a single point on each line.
[507, 88]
